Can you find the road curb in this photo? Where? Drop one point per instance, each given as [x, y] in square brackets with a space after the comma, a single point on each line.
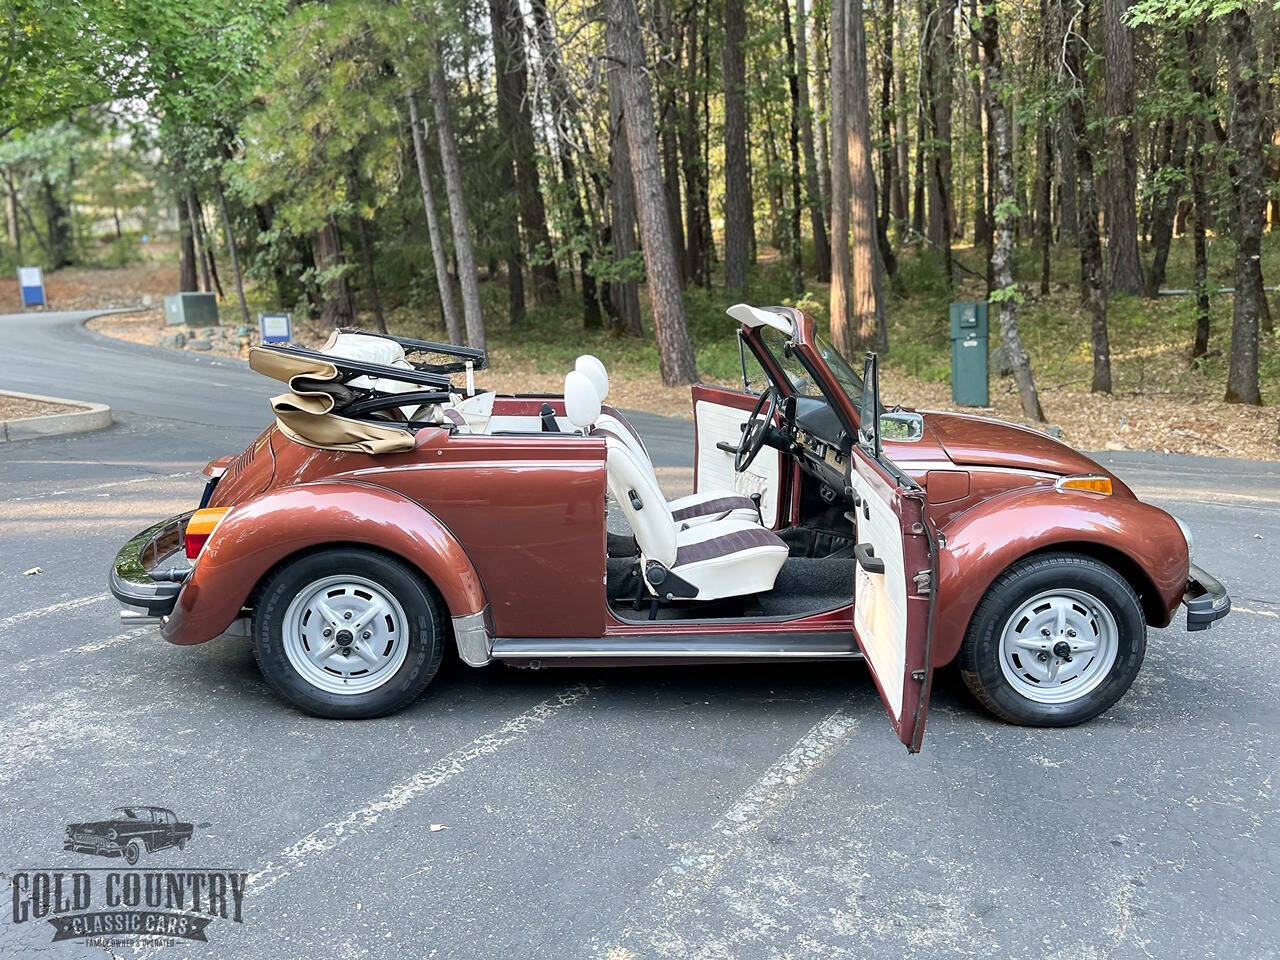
[94, 416]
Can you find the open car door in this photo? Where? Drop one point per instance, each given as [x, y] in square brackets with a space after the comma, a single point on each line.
[894, 576]
[719, 415]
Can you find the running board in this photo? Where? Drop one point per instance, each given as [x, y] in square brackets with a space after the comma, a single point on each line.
[695, 646]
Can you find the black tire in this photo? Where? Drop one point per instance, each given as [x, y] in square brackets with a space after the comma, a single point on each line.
[418, 600]
[979, 657]
[133, 852]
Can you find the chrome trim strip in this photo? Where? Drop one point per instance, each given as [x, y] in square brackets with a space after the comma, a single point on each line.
[472, 637]
[766, 646]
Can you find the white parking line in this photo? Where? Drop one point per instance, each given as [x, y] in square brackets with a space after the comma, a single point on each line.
[99, 486]
[17, 618]
[680, 886]
[324, 839]
[1256, 613]
[92, 647]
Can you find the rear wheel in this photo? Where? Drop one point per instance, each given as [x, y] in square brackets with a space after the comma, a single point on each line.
[1056, 640]
[348, 633]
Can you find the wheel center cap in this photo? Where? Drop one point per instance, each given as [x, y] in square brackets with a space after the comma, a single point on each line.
[1060, 649]
[344, 638]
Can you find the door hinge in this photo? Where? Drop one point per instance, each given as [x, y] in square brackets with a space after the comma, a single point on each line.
[924, 582]
[917, 675]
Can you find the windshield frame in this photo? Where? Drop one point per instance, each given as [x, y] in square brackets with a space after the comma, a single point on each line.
[794, 349]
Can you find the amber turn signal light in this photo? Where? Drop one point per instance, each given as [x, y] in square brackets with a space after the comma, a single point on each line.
[1088, 482]
[200, 526]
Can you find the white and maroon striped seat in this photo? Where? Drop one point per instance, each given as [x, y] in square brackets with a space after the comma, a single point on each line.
[692, 510]
[718, 558]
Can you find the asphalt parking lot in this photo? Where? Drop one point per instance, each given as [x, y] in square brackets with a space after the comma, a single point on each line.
[696, 812]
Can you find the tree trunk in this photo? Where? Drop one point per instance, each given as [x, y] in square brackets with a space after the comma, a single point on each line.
[822, 147]
[981, 228]
[232, 252]
[438, 255]
[793, 145]
[901, 123]
[197, 237]
[515, 120]
[697, 267]
[462, 248]
[58, 224]
[561, 104]
[843, 335]
[941, 37]
[366, 255]
[866, 301]
[335, 295]
[625, 44]
[1002, 246]
[1092, 278]
[1164, 207]
[1245, 135]
[737, 194]
[888, 156]
[187, 280]
[11, 215]
[1195, 42]
[1122, 159]
[813, 189]
[624, 295]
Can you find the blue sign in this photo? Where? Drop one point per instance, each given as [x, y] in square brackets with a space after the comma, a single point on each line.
[275, 327]
[31, 281]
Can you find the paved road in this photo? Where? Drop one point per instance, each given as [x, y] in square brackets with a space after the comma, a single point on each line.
[699, 812]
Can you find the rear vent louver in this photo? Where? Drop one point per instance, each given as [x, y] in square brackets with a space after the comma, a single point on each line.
[240, 463]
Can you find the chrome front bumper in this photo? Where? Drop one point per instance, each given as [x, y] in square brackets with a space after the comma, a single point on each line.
[1205, 598]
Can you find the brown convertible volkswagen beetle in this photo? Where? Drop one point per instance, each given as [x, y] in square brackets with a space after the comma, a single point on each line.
[389, 514]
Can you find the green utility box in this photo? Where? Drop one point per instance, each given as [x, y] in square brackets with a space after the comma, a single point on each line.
[969, 354]
[191, 309]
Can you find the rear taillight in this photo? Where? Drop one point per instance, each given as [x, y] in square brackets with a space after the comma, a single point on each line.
[200, 526]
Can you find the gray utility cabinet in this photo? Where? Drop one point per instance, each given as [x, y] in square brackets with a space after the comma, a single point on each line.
[969, 377]
[191, 309]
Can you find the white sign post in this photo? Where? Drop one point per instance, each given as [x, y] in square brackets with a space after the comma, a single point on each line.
[31, 282]
[275, 327]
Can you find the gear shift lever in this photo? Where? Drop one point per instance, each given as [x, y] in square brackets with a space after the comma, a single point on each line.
[756, 498]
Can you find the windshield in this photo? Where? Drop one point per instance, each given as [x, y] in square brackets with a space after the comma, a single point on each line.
[801, 382]
[129, 813]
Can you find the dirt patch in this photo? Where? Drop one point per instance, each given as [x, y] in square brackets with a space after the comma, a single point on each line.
[18, 408]
[1124, 421]
[82, 288]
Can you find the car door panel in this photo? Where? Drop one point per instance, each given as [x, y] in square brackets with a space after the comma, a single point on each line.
[719, 415]
[892, 598]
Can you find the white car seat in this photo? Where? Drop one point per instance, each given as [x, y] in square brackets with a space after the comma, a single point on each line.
[720, 558]
[692, 510]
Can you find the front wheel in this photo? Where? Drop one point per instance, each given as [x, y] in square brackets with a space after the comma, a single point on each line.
[348, 634]
[1056, 640]
[133, 852]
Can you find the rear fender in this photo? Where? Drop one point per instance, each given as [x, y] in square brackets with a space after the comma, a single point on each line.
[1142, 541]
[259, 533]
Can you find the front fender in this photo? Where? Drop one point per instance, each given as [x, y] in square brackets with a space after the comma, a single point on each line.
[259, 533]
[987, 539]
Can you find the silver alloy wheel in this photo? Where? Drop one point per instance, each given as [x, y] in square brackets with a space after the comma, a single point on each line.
[1058, 646]
[345, 634]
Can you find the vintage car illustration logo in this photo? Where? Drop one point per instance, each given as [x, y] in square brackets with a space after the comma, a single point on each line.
[119, 905]
[130, 832]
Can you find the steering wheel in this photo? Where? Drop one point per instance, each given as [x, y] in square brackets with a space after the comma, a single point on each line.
[755, 430]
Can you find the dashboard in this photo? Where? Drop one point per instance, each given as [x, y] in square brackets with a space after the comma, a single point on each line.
[822, 446]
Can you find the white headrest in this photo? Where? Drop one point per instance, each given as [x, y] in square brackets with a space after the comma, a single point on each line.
[581, 402]
[594, 369]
